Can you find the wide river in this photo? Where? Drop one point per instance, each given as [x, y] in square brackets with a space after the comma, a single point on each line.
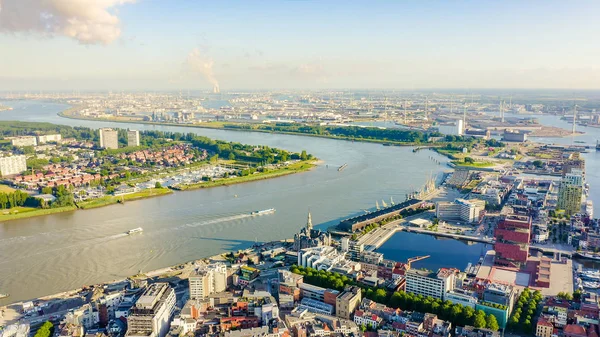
[49, 254]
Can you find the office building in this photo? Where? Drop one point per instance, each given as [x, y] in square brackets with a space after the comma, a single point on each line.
[347, 302]
[570, 193]
[427, 283]
[54, 138]
[461, 210]
[12, 165]
[208, 280]
[24, 141]
[109, 139]
[514, 136]
[133, 138]
[151, 314]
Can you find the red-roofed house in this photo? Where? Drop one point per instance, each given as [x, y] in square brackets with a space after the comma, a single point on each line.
[574, 330]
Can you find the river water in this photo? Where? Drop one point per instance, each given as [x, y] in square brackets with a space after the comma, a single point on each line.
[49, 254]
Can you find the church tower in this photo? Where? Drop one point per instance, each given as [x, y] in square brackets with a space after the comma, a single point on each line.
[309, 225]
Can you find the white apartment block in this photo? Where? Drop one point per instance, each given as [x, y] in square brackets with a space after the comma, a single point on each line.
[208, 280]
[133, 138]
[109, 139]
[12, 165]
[428, 283]
[55, 138]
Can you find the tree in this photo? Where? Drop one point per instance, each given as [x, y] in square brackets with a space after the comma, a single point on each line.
[469, 160]
[479, 321]
[158, 185]
[303, 155]
[491, 322]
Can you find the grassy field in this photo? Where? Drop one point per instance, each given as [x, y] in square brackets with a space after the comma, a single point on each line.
[27, 212]
[475, 164]
[6, 189]
[111, 200]
[294, 168]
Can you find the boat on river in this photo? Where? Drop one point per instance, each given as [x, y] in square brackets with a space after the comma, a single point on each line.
[135, 230]
[4, 296]
[341, 168]
[263, 212]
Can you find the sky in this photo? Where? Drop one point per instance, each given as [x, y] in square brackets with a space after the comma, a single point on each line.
[257, 45]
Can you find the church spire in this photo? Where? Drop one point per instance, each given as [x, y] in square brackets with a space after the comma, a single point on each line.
[309, 225]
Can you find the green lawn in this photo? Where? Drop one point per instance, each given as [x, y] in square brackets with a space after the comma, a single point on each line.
[475, 164]
[27, 212]
[6, 189]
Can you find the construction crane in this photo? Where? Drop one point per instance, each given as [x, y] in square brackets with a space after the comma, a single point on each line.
[416, 259]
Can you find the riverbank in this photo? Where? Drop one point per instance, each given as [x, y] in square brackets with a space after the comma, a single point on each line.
[29, 212]
[223, 126]
[291, 169]
[111, 200]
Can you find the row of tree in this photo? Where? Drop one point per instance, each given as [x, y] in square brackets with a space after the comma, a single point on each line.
[524, 312]
[17, 198]
[446, 310]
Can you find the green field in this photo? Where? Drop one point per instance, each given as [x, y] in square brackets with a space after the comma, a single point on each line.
[294, 168]
[27, 212]
[475, 164]
[6, 189]
[111, 200]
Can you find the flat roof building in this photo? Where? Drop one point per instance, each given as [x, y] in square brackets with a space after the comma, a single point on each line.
[152, 312]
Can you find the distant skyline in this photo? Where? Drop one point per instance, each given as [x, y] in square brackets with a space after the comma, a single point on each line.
[182, 44]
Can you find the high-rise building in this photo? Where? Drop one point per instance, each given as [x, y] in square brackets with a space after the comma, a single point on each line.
[54, 138]
[24, 141]
[208, 280]
[151, 314]
[133, 138]
[570, 192]
[12, 165]
[109, 139]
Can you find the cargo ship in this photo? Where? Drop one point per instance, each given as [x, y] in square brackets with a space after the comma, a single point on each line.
[4, 296]
[135, 230]
[264, 211]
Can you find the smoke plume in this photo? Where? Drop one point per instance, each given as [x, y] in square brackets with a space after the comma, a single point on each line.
[204, 66]
[87, 21]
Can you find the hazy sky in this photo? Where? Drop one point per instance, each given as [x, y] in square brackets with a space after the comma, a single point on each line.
[190, 44]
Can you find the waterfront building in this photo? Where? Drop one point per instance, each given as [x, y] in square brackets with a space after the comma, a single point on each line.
[455, 128]
[15, 330]
[24, 141]
[512, 236]
[347, 302]
[54, 138]
[503, 294]
[151, 314]
[133, 138]
[12, 165]
[309, 237]
[109, 138]
[427, 283]
[570, 193]
[460, 209]
[514, 136]
[247, 275]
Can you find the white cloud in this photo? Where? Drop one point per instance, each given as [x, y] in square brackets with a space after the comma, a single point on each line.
[87, 21]
[198, 63]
